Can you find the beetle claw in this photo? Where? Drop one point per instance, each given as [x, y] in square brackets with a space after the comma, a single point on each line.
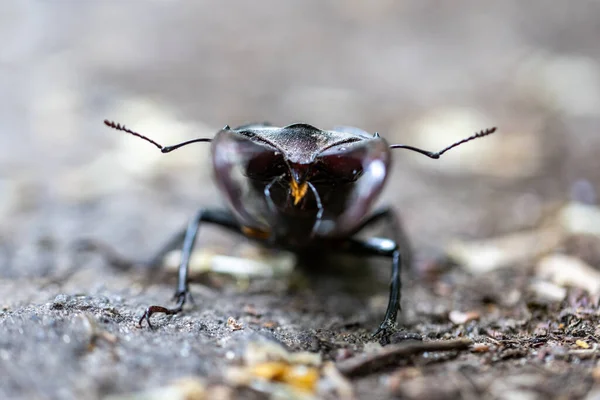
[386, 328]
[179, 295]
[378, 331]
[146, 317]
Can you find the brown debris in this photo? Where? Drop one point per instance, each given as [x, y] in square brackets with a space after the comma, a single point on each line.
[272, 369]
[234, 325]
[251, 310]
[270, 325]
[480, 348]
[392, 354]
[582, 344]
[298, 376]
[257, 353]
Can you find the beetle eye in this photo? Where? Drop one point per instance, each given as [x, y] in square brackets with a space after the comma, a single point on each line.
[265, 165]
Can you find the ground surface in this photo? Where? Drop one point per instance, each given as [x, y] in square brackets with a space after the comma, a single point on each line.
[68, 326]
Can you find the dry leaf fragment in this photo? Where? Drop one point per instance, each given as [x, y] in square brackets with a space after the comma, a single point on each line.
[569, 271]
[203, 261]
[480, 348]
[460, 318]
[545, 291]
[234, 325]
[273, 368]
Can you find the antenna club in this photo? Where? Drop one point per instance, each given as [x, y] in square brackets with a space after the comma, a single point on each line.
[485, 132]
[117, 126]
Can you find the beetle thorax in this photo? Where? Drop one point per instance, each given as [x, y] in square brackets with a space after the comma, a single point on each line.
[301, 143]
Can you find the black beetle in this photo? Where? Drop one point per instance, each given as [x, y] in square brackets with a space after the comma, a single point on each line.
[297, 187]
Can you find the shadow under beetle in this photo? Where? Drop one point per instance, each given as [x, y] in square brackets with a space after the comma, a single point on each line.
[298, 187]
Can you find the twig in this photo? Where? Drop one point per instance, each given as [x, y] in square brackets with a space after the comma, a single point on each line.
[584, 353]
[364, 364]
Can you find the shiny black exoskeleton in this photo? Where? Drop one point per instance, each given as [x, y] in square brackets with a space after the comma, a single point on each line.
[296, 187]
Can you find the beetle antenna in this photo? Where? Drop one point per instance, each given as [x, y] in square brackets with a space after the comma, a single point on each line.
[163, 149]
[437, 155]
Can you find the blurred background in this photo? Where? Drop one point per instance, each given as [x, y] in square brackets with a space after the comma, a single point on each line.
[424, 73]
[421, 72]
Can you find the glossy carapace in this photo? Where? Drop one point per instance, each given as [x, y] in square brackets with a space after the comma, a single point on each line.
[299, 186]
[297, 183]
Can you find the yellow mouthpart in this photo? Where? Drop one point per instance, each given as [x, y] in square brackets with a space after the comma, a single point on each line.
[298, 190]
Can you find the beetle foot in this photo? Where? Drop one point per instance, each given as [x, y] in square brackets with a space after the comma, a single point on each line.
[387, 328]
[179, 295]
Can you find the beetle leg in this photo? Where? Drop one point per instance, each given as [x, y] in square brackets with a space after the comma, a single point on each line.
[389, 248]
[267, 193]
[386, 248]
[218, 217]
[215, 216]
[389, 216]
[320, 209]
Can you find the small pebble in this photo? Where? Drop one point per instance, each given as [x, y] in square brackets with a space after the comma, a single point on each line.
[460, 318]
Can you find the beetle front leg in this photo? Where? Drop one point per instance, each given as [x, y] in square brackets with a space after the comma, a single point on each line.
[390, 217]
[385, 248]
[218, 217]
[401, 243]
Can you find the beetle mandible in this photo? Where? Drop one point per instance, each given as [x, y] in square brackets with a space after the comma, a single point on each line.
[298, 187]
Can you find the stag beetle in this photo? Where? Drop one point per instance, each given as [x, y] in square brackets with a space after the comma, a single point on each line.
[297, 187]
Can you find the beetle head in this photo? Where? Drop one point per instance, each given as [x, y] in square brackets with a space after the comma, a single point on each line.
[289, 154]
[268, 173]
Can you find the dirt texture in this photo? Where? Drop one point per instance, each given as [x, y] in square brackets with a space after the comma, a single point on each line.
[502, 299]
